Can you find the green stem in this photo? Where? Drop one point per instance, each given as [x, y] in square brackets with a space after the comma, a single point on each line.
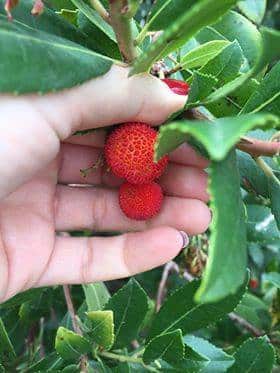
[266, 169]
[122, 26]
[98, 6]
[142, 34]
[127, 359]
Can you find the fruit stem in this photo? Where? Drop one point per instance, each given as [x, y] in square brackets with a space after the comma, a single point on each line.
[121, 22]
[98, 6]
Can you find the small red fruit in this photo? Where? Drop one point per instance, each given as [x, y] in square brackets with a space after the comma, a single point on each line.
[177, 86]
[140, 202]
[129, 152]
[254, 283]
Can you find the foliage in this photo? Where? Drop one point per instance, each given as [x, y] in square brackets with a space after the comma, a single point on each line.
[228, 51]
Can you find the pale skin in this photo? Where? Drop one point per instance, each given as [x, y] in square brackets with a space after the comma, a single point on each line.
[39, 157]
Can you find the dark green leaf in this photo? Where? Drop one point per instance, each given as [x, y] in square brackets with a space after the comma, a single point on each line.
[228, 233]
[254, 356]
[49, 363]
[168, 347]
[70, 345]
[190, 21]
[217, 137]
[7, 352]
[218, 360]
[180, 311]
[267, 96]
[102, 328]
[22, 297]
[97, 295]
[130, 305]
[253, 9]
[202, 85]
[33, 60]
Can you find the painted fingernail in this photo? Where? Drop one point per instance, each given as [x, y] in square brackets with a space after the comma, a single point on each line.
[185, 239]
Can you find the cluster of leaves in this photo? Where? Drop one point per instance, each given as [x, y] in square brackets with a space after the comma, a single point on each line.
[232, 63]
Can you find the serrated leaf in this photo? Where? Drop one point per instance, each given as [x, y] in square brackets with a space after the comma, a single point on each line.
[254, 356]
[273, 278]
[202, 85]
[26, 53]
[274, 192]
[253, 9]
[200, 55]
[225, 66]
[168, 347]
[267, 96]
[7, 352]
[97, 295]
[217, 137]
[218, 360]
[188, 23]
[227, 247]
[261, 225]
[102, 328]
[180, 311]
[130, 305]
[22, 297]
[70, 345]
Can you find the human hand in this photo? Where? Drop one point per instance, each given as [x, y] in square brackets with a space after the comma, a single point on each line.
[39, 157]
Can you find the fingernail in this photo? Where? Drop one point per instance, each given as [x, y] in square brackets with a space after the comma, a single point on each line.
[185, 239]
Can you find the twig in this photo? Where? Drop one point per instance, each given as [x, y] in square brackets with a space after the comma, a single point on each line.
[77, 329]
[266, 169]
[252, 146]
[169, 267]
[122, 25]
[246, 325]
[98, 6]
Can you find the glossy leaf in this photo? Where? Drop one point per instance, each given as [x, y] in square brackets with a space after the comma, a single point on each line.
[254, 356]
[130, 305]
[26, 53]
[273, 278]
[102, 328]
[168, 347]
[50, 363]
[7, 352]
[180, 311]
[217, 360]
[97, 295]
[217, 137]
[199, 56]
[202, 85]
[253, 9]
[70, 345]
[227, 248]
[190, 21]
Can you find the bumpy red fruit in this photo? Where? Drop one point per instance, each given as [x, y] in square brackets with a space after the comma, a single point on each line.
[129, 152]
[177, 86]
[140, 202]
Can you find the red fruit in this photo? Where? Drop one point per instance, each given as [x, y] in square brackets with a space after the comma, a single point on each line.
[254, 283]
[177, 86]
[129, 152]
[140, 202]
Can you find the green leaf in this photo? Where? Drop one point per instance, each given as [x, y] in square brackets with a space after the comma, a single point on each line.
[33, 60]
[253, 9]
[48, 21]
[102, 328]
[202, 85]
[267, 96]
[130, 305]
[233, 26]
[274, 191]
[20, 298]
[199, 56]
[180, 311]
[261, 225]
[7, 352]
[273, 278]
[189, 22]
[228, 233]
[226, 65]
[168, 347]
[50, 363]
[218, 137]
[218, 360]
[70, 345]
[254, 356]
[97, 295]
